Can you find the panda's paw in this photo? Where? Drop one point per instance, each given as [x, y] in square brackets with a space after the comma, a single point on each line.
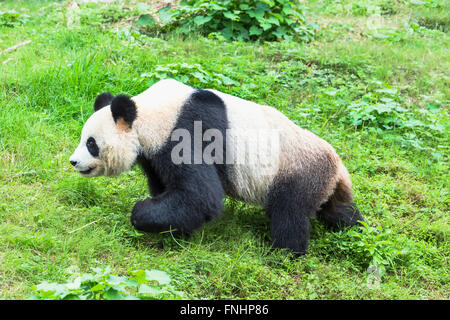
[140, 213]
[142, 205]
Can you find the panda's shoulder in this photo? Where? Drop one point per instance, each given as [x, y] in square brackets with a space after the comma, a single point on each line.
[169, 84]
[166, 87]
[164, 93]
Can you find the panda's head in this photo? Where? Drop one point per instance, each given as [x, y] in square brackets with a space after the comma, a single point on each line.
[109, 144]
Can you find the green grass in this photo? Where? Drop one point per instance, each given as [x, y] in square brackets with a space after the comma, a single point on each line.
[398, 158]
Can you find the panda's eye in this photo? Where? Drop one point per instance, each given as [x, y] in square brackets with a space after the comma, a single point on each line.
[92, 147]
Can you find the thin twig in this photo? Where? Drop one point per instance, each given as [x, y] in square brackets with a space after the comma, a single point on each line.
[86, 225]
[16, 46]
[7, 60]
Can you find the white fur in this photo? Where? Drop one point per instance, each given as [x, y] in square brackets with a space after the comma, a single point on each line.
[248, 181]
[299, 149]
[118, 149]
[158, 108]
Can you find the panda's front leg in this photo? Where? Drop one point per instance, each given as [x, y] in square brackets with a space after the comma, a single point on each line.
[182, 209]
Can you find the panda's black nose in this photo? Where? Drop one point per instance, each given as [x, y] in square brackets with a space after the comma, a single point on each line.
[74, 163]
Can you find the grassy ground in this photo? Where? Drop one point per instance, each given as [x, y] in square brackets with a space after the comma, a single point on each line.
[374, 83]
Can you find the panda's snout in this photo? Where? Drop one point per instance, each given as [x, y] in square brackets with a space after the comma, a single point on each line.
[73, 163]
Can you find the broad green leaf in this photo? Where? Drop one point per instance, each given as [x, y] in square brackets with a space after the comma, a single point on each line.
[157, 275]
[287, 10]
[200, 76]
[280, 32]
[231, 16]
[98, 287]
[51, 288]
[265, 25]
[273, 20]
[139, 276]
[165, 15]
[254, 30]
[227, 32]
[145, 20]
[113, 280]
[262, 6]
[278, 16]
[75, 284]
[112, 294]
[228, 81]
[149, 291]
[256, 13]
[200, 20]
[213, 6]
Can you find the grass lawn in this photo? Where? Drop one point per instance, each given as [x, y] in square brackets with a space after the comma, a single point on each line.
[374, 83]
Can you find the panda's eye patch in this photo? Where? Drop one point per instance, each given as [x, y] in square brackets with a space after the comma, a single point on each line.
[92, 147]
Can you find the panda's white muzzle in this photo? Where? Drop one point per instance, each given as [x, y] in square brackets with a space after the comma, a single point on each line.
[83, 161]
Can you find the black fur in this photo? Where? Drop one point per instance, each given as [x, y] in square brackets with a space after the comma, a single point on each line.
[103, 99]
[92, 147]
[292, 200]
[154, 183]
[123, 107]
[289, 213]
[185, 196]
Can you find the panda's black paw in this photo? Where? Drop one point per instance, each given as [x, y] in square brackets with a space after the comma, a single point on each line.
[142, 205]
[140, 214]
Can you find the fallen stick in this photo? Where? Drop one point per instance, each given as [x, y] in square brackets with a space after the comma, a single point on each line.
[86, 225]
[16, 46]
[7, 60]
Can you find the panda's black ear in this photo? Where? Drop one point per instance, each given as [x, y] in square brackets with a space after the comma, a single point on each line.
[103, 99]
[123, 110]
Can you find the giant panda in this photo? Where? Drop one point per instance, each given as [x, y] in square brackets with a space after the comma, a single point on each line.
[306, 177]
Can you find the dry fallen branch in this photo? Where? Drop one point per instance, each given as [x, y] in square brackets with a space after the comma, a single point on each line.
[86, 225]
[16, 46]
